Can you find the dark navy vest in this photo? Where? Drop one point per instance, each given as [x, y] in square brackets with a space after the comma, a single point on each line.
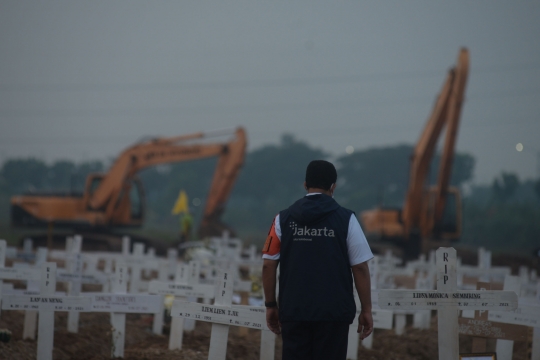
[315, 282]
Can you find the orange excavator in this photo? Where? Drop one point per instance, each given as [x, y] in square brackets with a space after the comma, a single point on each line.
[116, 199]
[431, 215]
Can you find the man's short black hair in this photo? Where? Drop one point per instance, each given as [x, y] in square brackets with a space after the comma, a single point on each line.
[320, 174]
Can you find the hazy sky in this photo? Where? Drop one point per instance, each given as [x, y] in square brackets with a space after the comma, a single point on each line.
[83, 80]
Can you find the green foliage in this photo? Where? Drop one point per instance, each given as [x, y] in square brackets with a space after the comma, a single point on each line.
[373, 177]
[30, 175]
[270, 181]
[24, 175]
[462, 169]
[504, 215]
[380, 176]
[511, 226]
[537, 188]
[503, 188]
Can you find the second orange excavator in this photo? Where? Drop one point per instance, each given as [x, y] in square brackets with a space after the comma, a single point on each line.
[116, 199]
[430, 216]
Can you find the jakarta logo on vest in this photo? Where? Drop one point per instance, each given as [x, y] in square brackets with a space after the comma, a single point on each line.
[313, 232]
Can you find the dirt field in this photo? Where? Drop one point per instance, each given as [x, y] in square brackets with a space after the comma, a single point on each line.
[94, 342]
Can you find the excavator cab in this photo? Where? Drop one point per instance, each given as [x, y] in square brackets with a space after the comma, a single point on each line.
[92, 183]
[134, 200]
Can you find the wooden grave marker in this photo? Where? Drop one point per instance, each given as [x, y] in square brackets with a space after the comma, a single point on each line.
[481, 328]
[382, 319]
[119, 303]
[447, 300]
[222, 315]
[535, 349]
[194, 271]
[527, 313]
[46, 303]
[32, 287]
[31, 275]
[484, 272]
[74, 266]
[180, 289]
[157, 325]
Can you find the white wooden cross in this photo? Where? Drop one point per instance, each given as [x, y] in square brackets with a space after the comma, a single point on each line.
[382, 319]
[119, 303]
[184, 285]
[180, 287]
[527, 313]
[481, 328]
[46, 303]
[74, 265]
[484, 272]
[447, 300]
[29, 274]
[222, 314]
[157, 325]
[135, 265]
[194, 271]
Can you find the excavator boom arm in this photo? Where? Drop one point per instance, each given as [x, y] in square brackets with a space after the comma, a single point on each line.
[446, 112]
[160, 151]
[453, 117]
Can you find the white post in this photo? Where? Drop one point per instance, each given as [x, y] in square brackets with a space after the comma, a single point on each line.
[177, 324]
[374, 275]
[138, 254]
[172, 257]
[150, 254]
[46, 317]
[448, 316]
[268, 345]
[74, 287]
[126, 244]
[27, 246]
[107, 287]
[193, 279]
[535, 354]
[505, 348]
[118, 320]
[220, 333]
[3, 246]
[268, 338]
[157, 325]
[31, 316]
[421, 318]
[352, 342]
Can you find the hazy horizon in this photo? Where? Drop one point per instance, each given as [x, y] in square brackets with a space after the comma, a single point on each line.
[82, 81]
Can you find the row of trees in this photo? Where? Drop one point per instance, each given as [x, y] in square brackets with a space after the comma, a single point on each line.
[272, 178]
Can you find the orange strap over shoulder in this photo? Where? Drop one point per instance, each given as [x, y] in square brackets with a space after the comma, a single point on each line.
[272, 245]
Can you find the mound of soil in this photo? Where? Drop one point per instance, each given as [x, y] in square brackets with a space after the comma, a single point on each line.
[93, 341]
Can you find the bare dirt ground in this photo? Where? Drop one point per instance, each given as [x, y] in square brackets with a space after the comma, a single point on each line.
[93, 342]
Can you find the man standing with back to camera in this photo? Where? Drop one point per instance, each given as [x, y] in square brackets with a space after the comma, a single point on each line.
[319, 244]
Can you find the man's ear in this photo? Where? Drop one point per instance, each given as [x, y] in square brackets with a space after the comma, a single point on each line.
[305, 186]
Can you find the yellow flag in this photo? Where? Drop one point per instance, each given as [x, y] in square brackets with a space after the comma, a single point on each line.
[181, 205]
